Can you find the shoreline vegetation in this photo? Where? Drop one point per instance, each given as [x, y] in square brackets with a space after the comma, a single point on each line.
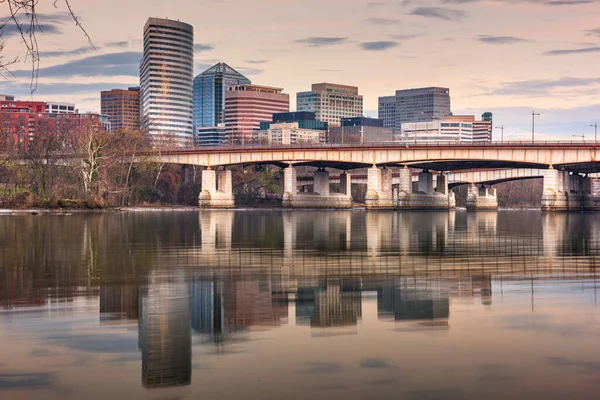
[252, 190]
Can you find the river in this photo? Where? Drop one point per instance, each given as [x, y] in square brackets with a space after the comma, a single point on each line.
[300, 304]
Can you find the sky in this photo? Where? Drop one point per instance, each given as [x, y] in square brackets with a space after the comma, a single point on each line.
[505, 56]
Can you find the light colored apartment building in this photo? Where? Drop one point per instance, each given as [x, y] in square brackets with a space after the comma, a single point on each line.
[482, 130]
[331, 102]
[53, 107]
[445, 131]
[166, 82]
[246, 106]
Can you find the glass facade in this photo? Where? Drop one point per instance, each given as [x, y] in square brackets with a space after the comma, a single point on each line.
[166, 74]
[209, 94]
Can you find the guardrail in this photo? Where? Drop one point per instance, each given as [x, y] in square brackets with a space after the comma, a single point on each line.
[386, 145]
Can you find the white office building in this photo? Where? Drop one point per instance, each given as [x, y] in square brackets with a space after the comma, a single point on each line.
[436, 132]
[53, 107]
[166, 82]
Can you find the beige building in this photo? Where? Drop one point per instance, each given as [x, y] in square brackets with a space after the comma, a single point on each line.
[482, 130]
[290, 133]
[446, 131]
[331, 102]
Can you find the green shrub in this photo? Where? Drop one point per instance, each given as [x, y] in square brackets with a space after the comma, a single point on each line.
[94, 202]
[69, 203]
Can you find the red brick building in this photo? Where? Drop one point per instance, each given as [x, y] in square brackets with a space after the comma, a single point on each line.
[21, 121]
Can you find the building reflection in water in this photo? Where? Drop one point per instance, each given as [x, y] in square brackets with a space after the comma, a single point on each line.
[330, 304]
[222, 307]
[165, 332]
[428, 299]
[119, 302]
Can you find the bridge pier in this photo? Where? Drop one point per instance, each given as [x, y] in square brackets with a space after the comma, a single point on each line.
[217, 189]
[591, 195]
[426, 196]
[321, 196]
[561, 191]
[379, 189]
[481, 198]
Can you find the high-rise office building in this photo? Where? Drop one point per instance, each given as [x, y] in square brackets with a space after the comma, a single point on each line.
[246, 106]
[122, 106]
[387, 111]
[331, 102]
[166, 82]
[209, 93]
[415, 105]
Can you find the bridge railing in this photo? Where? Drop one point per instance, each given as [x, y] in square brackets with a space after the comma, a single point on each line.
[401, 144]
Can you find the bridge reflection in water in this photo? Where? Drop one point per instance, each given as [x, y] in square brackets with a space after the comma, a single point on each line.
[212, 278]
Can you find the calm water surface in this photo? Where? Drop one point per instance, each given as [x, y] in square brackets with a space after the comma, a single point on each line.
[300, 305]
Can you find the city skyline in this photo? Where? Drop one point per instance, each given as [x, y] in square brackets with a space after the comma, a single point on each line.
[451, 44]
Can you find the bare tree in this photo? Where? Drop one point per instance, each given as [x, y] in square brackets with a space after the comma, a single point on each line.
[23, 16]
[91, 145]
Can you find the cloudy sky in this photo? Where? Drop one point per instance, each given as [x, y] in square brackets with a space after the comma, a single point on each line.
[504, 56]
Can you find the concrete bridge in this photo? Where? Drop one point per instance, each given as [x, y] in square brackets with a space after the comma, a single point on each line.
[562, 164]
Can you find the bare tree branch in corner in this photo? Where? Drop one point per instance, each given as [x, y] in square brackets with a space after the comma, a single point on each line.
[23, 15]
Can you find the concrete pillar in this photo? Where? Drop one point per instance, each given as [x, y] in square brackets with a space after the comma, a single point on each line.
[321, 196]
[591, 197]
[442, 184]
[425, 182]
[554, 196]
[289, 180]
[209, 181]
[405, 181]
[374, 179]
[321, 182]
[481, 198]
[346, 184]
[224, 182]
[379, 189]
[290, 188]
[405, 189]
[210, 197]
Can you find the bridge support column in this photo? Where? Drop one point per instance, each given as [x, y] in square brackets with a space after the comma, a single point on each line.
[346, 184]
[379, 189]
[591, 196]
[290, 188]
[482, 198]
[427, 197]
[213, 195]
[442, 187]
[425, 183]
[321, 196]
[321, 182]
[556, 190]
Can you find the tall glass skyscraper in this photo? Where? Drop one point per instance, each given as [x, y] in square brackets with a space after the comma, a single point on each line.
[166, 75]
[209, 94]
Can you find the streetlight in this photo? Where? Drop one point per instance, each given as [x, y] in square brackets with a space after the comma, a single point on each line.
[501, 127]
[582, 136]
[595, 126]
